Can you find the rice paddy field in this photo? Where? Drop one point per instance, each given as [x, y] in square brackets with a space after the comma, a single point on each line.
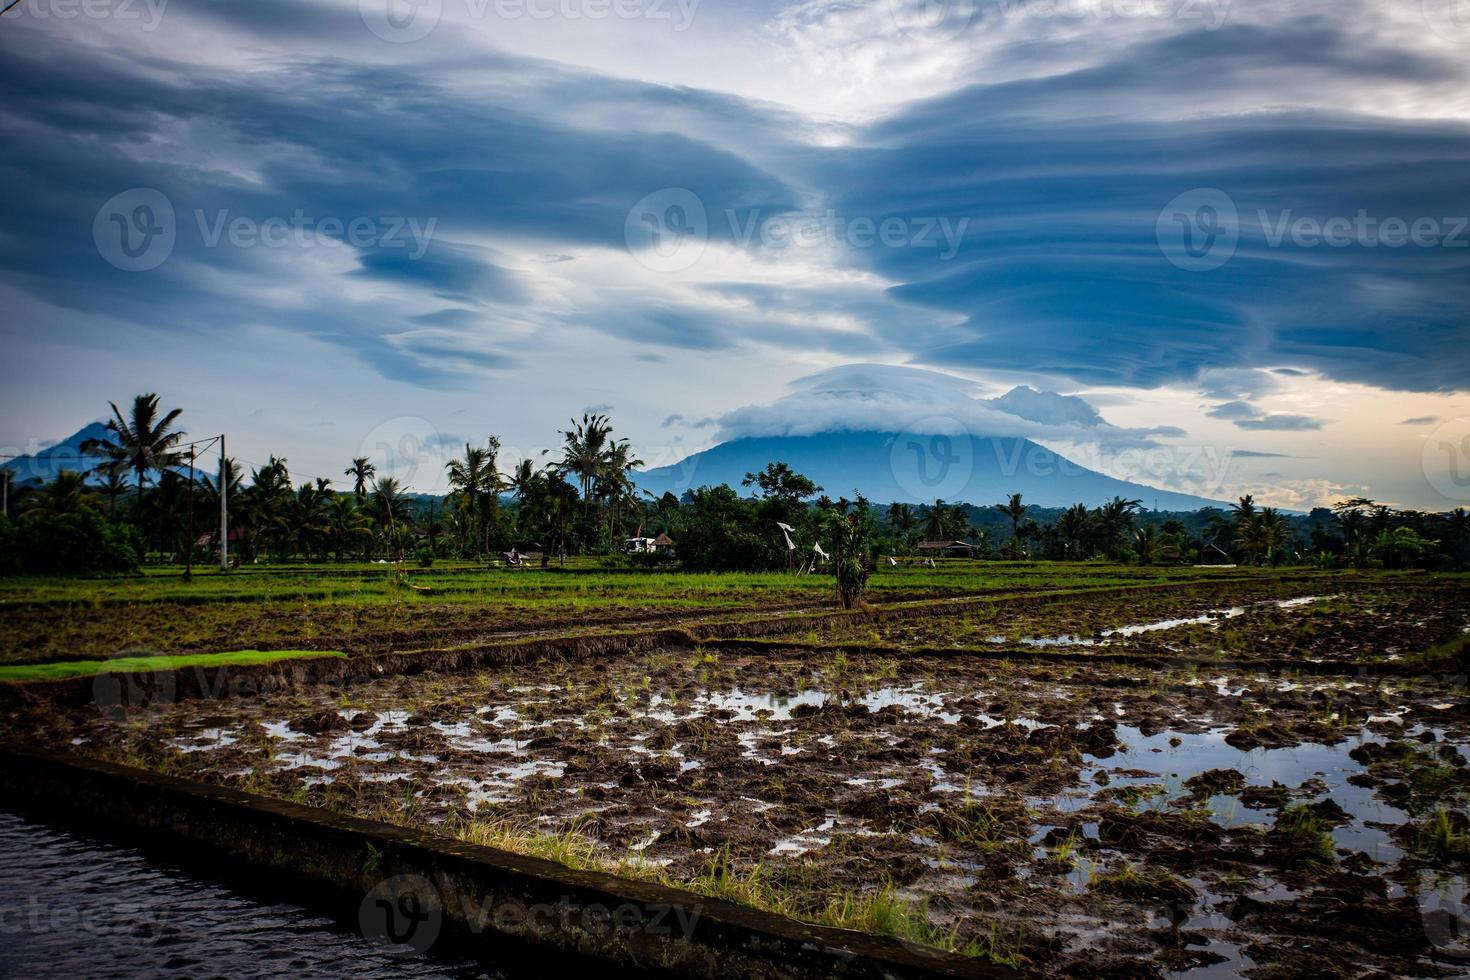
[1076, 770]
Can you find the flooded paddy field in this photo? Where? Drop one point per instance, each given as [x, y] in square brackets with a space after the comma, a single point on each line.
[1152, 788]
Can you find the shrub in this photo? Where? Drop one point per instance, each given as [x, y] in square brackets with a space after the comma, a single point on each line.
[81, 542]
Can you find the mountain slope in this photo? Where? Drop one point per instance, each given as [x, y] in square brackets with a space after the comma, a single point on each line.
[42, 466]
[888, 467]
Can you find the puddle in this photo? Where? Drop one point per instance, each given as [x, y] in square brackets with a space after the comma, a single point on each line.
[1213, 616]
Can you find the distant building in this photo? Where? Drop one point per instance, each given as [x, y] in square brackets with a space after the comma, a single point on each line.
[952, 549]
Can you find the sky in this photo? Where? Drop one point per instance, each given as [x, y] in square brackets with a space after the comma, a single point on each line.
[1217, 246]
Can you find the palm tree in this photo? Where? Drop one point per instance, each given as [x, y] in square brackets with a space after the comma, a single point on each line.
[1264, 534]
[585, 452]
[362, 472]
[936, 520]
[1115, 518]
[468, 476]
[390, 507]
[1146, 544]
[615, 481]
[67, 494]
[348, 527]
[141, 442]
[1072, 528]
[901, 518]
[1016, 511]
[305, 517]
[114, 485]
[522, 478]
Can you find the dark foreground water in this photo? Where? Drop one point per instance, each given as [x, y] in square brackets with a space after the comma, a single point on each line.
[73, 907]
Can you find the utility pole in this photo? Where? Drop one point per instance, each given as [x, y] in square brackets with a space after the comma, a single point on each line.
[224, 520]
[189, 545]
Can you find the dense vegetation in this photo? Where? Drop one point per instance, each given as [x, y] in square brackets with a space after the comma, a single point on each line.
[143, 502]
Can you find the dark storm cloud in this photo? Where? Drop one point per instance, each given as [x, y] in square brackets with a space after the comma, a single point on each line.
[1061, 269]
[1061, 177]
[330, 141]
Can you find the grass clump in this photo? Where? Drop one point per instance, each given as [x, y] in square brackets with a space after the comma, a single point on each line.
[19, 673]
[1442, 838]
[1130, 882]
[1303, 838]
[880, 912]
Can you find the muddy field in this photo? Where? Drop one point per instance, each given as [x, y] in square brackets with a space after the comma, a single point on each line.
[379, 608]
[1268, 779]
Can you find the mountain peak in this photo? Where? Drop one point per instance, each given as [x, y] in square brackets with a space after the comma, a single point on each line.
[905, 467]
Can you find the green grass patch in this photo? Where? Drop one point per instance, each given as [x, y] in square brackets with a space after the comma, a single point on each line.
[86, 668]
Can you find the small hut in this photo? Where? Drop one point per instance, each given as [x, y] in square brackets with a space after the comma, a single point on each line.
[950, 549]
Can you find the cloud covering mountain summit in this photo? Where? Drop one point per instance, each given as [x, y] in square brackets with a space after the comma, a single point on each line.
[890, 398]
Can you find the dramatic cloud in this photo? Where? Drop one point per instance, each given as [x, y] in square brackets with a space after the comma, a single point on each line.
[1257, 204]
[883, 398]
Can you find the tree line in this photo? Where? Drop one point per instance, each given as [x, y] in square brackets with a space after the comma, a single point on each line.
[138, 502]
